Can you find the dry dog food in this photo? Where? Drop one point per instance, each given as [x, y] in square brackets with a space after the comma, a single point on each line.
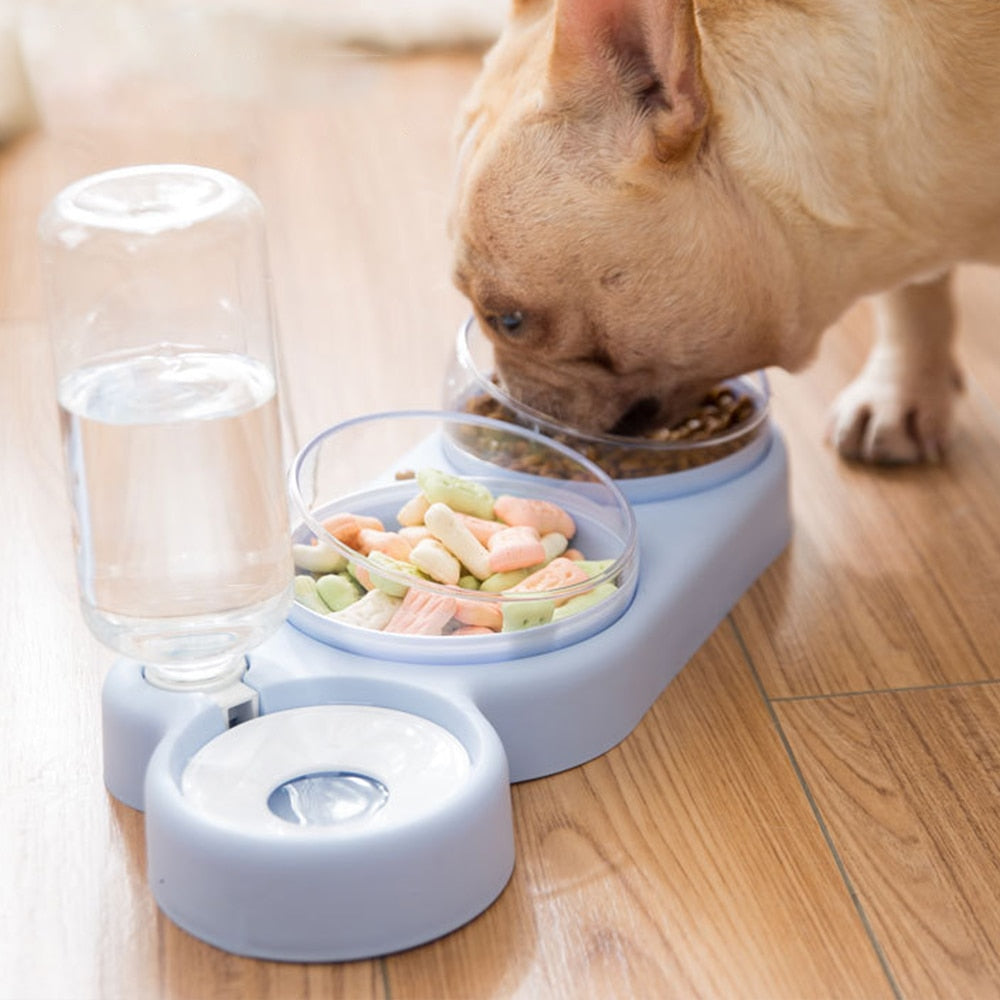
[720, 412]
[456, 533]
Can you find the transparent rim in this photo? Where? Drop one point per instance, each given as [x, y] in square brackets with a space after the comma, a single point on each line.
[621, 563]
[220, 193]
[762, 390]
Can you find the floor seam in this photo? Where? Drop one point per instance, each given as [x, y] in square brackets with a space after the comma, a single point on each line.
[909, 688]
[824, 830]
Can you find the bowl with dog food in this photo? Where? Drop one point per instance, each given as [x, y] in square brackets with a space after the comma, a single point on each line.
[422, 537]
[728, 432]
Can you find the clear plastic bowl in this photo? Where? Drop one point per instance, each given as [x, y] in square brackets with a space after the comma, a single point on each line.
[366, 466]
[645, 468]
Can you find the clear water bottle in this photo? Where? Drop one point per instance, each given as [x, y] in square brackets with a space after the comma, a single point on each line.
[161, 319]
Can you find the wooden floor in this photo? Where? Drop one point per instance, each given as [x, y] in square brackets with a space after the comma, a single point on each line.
[810, 810]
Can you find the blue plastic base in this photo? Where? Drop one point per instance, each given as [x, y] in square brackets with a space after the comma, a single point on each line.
[337, 895]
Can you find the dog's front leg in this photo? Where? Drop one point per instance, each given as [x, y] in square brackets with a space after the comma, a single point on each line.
[899, 408]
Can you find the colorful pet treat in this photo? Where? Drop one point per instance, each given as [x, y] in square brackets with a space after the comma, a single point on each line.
[455, 534]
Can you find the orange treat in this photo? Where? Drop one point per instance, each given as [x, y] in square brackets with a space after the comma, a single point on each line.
[542, 515]
[345, 527]
[484, 613]
[422, 613]
[515, 548]
[482, 530]
[561, 572]
[390, 542]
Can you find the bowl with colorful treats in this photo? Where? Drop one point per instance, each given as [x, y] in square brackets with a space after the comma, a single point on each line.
[728, 432]
[419, 540]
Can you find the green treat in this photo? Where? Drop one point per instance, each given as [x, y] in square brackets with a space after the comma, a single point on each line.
[583, 601]
[337, 590]
[318, 558]
[499, 582]
[463, 495]
[307, 596]
[387, 586]
[519, 615]
[469, 582]
[594, 567]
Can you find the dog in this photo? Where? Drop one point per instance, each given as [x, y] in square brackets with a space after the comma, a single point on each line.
[655, 195]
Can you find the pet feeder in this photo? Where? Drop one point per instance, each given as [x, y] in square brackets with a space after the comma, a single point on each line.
[350, 796]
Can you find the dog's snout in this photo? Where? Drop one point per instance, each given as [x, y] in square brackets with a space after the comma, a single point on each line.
[637, 418]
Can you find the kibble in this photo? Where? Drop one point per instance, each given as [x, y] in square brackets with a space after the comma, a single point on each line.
[720, 412]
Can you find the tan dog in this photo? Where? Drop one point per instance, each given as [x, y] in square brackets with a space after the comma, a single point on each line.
[652, 197]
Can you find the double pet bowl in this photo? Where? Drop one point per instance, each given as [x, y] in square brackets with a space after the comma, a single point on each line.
[351, 796]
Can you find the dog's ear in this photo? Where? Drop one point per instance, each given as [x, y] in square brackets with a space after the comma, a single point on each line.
[648, 49]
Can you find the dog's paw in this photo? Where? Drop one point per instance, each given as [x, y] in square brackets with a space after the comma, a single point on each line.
[887, 421]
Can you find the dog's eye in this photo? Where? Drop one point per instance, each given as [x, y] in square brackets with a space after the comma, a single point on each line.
[507, 323]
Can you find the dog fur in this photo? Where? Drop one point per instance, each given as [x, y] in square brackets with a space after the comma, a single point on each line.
[654, 195]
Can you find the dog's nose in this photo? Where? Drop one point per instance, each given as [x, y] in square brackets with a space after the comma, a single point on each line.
[637, 418]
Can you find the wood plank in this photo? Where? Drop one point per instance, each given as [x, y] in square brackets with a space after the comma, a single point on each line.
[891, 577]
[684, 863]
[907, 784]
